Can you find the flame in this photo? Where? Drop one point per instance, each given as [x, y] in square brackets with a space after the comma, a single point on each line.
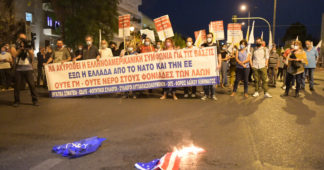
[188, 150]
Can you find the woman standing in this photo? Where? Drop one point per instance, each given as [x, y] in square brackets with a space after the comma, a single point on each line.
[169, 45]
[296, 61]
[243, 60]
[225, 58]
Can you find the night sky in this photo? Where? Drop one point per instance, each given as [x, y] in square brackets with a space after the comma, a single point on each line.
[188, 16]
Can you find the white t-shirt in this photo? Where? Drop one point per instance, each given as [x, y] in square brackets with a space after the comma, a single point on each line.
[106, 53]
[5, 65]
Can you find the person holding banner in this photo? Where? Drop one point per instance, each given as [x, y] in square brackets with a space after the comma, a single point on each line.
[243, 60]
[60, 54]
[189, 43]
[223, 70]
[104, 52]
[260, 63]
[210, 89]
[233, 66]
[158, 46]
[147, 47]
[89, 52]
[169, 45]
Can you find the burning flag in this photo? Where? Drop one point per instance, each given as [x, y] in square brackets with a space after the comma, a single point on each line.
[171, 160]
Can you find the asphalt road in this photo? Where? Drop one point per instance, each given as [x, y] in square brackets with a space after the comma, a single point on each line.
[237, 133]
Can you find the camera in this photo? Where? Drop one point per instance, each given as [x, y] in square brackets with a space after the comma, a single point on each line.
[23, 43]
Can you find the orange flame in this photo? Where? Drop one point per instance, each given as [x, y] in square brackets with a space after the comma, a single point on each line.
[188, 150]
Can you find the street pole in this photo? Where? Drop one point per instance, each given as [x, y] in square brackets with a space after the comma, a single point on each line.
[274, 20]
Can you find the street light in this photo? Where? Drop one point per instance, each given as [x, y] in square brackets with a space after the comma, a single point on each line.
[243, 23]
[131, 28]
[244, 8]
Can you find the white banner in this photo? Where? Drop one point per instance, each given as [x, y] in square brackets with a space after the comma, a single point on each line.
[174, 68]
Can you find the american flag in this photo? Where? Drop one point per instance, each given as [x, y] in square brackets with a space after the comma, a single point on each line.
[170, 161]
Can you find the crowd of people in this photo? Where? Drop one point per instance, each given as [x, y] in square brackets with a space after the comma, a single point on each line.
[242, 64]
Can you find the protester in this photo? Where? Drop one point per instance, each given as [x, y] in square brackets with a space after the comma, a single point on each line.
[260, 63]
[210, 89]
[233, 66]
[147, 46]
[23, 55]
[114, 50]
[223, 70]
[312, 57]
[243, 60]
[89, 52]
[78, 52]
[158, 46]
[189, 44]
[5, 68]
[296, 60]
[273, 66]
[169, 45]
[41, 57]
[286, 54]
[60, 54]
[104, 52]
[281, 67]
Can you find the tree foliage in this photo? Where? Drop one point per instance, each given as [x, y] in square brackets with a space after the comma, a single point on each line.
[85, 17]
[300, 30]
[179, 40]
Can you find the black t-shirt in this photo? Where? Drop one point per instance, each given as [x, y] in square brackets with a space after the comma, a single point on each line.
[90, 53]
[223, 54]
[40, 59]
[211, 45]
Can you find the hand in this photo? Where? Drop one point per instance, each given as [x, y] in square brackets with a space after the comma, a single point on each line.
[74, 60]
[218, 67]
[62, 62]
[44, 64]
[244, 66]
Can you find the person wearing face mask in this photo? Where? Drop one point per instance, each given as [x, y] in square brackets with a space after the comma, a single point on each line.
[286, 54]
[210, 89]
[224, 68]
[147, 46]
[243, 60]
[130, 50]
[78, 51]
[60, 54]
[260, 63]
[104, 52]
[273, 65]
[189, 45]
[90, 51]
[312, 58]
[296, 61]
[23, 57]
[169, 45]
[158, 46]
[5, 68]
[233, 66]
[40, 65]
[114, 50]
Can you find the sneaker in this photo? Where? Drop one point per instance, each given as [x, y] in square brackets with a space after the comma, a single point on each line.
[193, 95]
[297, 95]
[204, 97]
[163, 97]
[233, 94]
[134, 97]
[214, 97]
[256, 94]
[293, 87]
[246, 95]
[284, 87]
[186, 96]
[175, 97]
[35, 104]
[267, 95]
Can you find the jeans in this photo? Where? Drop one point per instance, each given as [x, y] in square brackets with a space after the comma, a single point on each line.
[272, 75]
[40, 76]
[310, 73]
[260, 75]
[5, 77]
[280, 73]
[290, 79]
[242, 74]
[194, 90]
[223, 72]
[28, 76]
[232, 74]
[209, 90]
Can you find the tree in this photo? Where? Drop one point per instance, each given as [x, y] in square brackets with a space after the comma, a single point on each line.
[179, 40]
[85, 17]
[8, 25]
[300, 30]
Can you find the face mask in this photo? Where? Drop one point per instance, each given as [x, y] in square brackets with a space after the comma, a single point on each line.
[224, 48]
[292, 46]
[274, 51]
[89, 42]
[147, 43]
[189, 44]
[168, 44]
[158, 46]
[308, 46]
[80, 49]
[3, 52]
[59, 46]
[258, 44]
[296, 47]
[209, 40]
[130, 49]
[104, 46]
[242, 46]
